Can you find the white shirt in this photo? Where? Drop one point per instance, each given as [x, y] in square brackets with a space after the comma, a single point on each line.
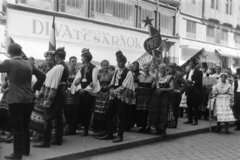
[238, 89]
[190, 74]
[118, 76]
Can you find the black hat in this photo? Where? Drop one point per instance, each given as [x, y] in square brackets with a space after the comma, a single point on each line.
[120, 56]
[204, 65]
[238, 71]
[86, 53]
[61, 52]
[172, 65]
[193, 60]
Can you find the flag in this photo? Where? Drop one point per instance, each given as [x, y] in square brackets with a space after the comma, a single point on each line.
[10, 41]
[222, 59]
[198, 56]
[52, 40]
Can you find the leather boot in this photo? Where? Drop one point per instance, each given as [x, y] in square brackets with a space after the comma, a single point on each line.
[46, 136]
[17, 147]
[26, 143]
[226, 128]
[218, 128]
[59, 133]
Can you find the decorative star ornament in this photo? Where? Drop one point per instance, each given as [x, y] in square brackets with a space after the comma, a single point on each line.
[148, 21]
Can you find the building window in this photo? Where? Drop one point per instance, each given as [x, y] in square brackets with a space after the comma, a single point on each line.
[228, 6]
[212, 3]
[237, 40]
[42, 4]
[166, 23]
[210, 34]
[74, 7]
[224, 37]
[112, 11]
[191, 29]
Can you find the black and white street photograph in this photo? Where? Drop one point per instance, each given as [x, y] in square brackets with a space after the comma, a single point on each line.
[119, 79]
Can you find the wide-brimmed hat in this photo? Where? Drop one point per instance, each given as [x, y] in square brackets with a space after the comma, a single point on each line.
[120, 56]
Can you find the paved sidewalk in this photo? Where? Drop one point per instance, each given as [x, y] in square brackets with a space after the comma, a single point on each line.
[208, 146]
[79, 147]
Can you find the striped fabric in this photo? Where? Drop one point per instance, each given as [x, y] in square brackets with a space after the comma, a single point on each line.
[52, 40]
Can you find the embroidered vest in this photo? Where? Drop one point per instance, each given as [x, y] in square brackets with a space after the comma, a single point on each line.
[235, 85]
[123, 76]
[88, 75]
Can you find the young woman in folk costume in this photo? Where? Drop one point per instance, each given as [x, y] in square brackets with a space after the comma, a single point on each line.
[143, 97]
[99, 122]
[223, 93]
[37, 120]
[158, 110]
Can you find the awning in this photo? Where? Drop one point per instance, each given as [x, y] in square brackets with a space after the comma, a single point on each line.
[36, 48]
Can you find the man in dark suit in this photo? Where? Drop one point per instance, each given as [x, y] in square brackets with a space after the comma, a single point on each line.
[179, 85]
[20, 97]
[194, 91]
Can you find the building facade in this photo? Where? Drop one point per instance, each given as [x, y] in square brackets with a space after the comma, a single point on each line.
[212, 27]
[103, 26]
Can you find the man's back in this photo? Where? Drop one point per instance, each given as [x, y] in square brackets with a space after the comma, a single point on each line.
[20, 73]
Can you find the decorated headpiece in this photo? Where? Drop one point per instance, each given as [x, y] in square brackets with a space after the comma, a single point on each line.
[120, 56]
[49, 54]
[223, 74]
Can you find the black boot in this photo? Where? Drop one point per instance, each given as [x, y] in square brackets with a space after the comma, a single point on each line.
[59, 133]
[226, 128]
[17, 147]
[46, 136]
[26, 143]
[218, 128]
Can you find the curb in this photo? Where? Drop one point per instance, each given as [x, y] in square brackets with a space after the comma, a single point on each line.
[119, 146]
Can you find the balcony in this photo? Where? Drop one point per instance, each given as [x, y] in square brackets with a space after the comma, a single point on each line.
[171, 2]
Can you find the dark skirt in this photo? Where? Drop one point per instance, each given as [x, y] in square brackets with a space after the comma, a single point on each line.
[237, 106]
[99, 122]
[143, 100]
[4, 113]
[37, 121]
[158, 110]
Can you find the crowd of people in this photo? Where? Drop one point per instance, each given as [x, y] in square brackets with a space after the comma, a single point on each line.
[53, 99]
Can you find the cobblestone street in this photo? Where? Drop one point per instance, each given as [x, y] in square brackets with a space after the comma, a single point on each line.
[208, 146]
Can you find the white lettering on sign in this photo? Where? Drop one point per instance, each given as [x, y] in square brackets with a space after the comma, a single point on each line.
[151, 43]
[88, 35]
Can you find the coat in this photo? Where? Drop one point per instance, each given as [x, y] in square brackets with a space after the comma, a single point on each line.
[20, 73]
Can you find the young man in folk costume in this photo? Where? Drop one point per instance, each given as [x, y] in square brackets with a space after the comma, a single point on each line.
[194, 92]
[179, 85]
[20, 98]
[236, 89]
[122, 94]
[85, 86]
[52, 96]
